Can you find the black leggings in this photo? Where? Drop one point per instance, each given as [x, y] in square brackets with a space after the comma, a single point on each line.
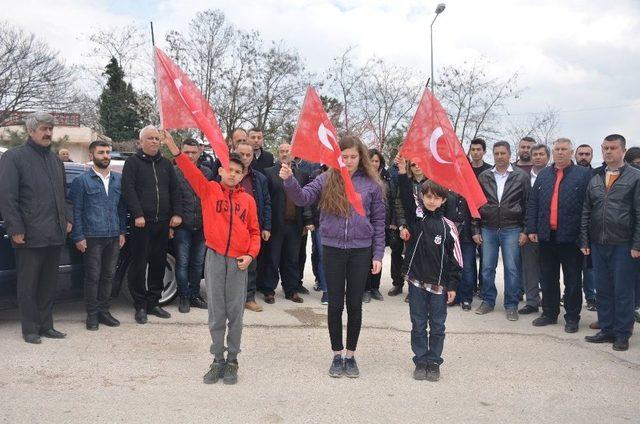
[336, 262]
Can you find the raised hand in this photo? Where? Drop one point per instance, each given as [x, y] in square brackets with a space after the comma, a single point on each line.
[285, 171]
[166, 138]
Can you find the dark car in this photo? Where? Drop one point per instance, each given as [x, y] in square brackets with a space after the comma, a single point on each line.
[70, 271]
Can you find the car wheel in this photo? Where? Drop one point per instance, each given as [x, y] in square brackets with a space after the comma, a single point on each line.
[170, 284]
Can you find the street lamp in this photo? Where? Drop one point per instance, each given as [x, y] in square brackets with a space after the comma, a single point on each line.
[439, 10]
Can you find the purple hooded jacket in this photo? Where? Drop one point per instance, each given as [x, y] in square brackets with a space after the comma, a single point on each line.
[354, 231]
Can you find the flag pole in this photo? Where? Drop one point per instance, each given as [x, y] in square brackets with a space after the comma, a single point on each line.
[155, 74]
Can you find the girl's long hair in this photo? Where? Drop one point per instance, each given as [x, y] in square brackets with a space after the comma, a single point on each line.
[334, 199]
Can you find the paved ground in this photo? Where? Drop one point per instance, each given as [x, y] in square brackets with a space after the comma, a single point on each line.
[495, 371]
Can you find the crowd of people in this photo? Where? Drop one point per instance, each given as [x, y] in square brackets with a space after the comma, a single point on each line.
[246, 227]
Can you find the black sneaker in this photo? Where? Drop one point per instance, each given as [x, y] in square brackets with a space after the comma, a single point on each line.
[230, 372]
[198, 302]
[395, 290]
[141, 316]
[420, 373]
[466, 306]
[159, 312]
[528, 309]
[351, 367]
[366, 297]
[337, 367]
[316, 286]
[543, 321]
[433, 372]
[215, 373]
[591, 305]
[184, 305]
[376, 295]
[302, 289]
[571, 327]
[325, 298]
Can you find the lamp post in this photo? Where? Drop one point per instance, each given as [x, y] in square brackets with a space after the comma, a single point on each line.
[439, 10]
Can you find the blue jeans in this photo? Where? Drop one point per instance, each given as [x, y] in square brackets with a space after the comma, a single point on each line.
[612, 266]
[507, 241]
[588, 284]
[316, 259]
[430, 309]
[469, 272]
[190, 251]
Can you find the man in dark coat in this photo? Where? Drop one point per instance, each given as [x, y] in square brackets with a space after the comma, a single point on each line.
[37, 215]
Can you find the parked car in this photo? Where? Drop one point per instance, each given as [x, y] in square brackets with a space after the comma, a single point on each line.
[70, 271]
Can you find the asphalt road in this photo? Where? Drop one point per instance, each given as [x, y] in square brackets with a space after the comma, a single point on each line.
[495, 371]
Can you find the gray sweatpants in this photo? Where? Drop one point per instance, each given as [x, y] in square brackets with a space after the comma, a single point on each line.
[531, 273]
[226, 292]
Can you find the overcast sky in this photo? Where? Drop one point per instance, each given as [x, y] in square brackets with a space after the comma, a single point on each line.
[581, 57]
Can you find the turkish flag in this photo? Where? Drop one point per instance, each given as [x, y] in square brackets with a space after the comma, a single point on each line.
[432, 143]
[315, 140]
[182, 105]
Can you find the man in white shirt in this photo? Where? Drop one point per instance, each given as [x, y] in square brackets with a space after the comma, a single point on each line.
[501, 228]
[529, 252]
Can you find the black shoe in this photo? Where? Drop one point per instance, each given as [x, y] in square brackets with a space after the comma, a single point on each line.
[543, 320]
[433, 372]
[375, 294]
[92, 322]
[337, 367]
[528, 309]
[621, 344]
[366, 297]
[295, 297]
[420, 373]
[184, 306]
[32, 338]
[571, 327]
[52, 334]
[600, 337]
[107, 319]
[160, 313]
[395, 290]
[270, 299]
[351, 367]
[198, 302]
[141, 316]
[230, 372]
[302, 289]
[316, 286]
[215, 373]
[591, 305]
[466, 306]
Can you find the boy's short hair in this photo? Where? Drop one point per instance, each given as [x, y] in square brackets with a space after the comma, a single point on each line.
[434, 188]
[481, 142]
[235, 158]
[189, 142]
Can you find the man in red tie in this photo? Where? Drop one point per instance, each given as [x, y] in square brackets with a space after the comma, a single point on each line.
[553, 220]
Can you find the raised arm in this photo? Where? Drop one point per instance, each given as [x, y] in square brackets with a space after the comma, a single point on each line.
[302, 196]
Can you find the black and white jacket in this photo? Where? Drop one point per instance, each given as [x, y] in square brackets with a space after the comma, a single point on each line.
[433, 252]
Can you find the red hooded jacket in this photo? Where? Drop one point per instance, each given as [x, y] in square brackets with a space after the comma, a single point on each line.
[230, 218]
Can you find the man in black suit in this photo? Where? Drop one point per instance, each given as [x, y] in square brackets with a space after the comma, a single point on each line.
[287, 224]
[261, 158]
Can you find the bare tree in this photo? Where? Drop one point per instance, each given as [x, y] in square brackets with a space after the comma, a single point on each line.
[386, 96]
[542, 126]
[343, 78]
[474, 100]
[32, 76]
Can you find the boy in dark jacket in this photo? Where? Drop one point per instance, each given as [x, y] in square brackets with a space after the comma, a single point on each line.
[232, 236]
[434, 266]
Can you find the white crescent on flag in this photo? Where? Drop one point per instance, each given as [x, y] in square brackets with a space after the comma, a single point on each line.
[433, 145]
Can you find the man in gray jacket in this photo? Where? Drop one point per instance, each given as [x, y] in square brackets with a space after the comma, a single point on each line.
[38, 217]
[610, 233]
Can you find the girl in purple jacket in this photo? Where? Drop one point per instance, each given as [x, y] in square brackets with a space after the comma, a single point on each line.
[353, 245]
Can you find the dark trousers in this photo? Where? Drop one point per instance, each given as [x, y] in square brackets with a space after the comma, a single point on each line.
[37, 270]
[302, 257]
[100, 261]
[190, 251]
[148, 246]
[373, 281]
[257, 270]
[427, 310]
[282, 260]
[478, 284]
[252, 283]
[346, 271]
[552, 257]
[615, 274]
[397, 247]
[469, 272]
[530, 253]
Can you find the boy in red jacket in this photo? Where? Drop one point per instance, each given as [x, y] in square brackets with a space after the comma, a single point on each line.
[232, 236]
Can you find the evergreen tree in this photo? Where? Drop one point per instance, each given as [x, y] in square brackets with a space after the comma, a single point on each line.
[119, 115]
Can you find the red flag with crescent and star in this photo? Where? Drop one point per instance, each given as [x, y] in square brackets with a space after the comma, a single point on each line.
[432, 143]
[182, 105]
[315, 140]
